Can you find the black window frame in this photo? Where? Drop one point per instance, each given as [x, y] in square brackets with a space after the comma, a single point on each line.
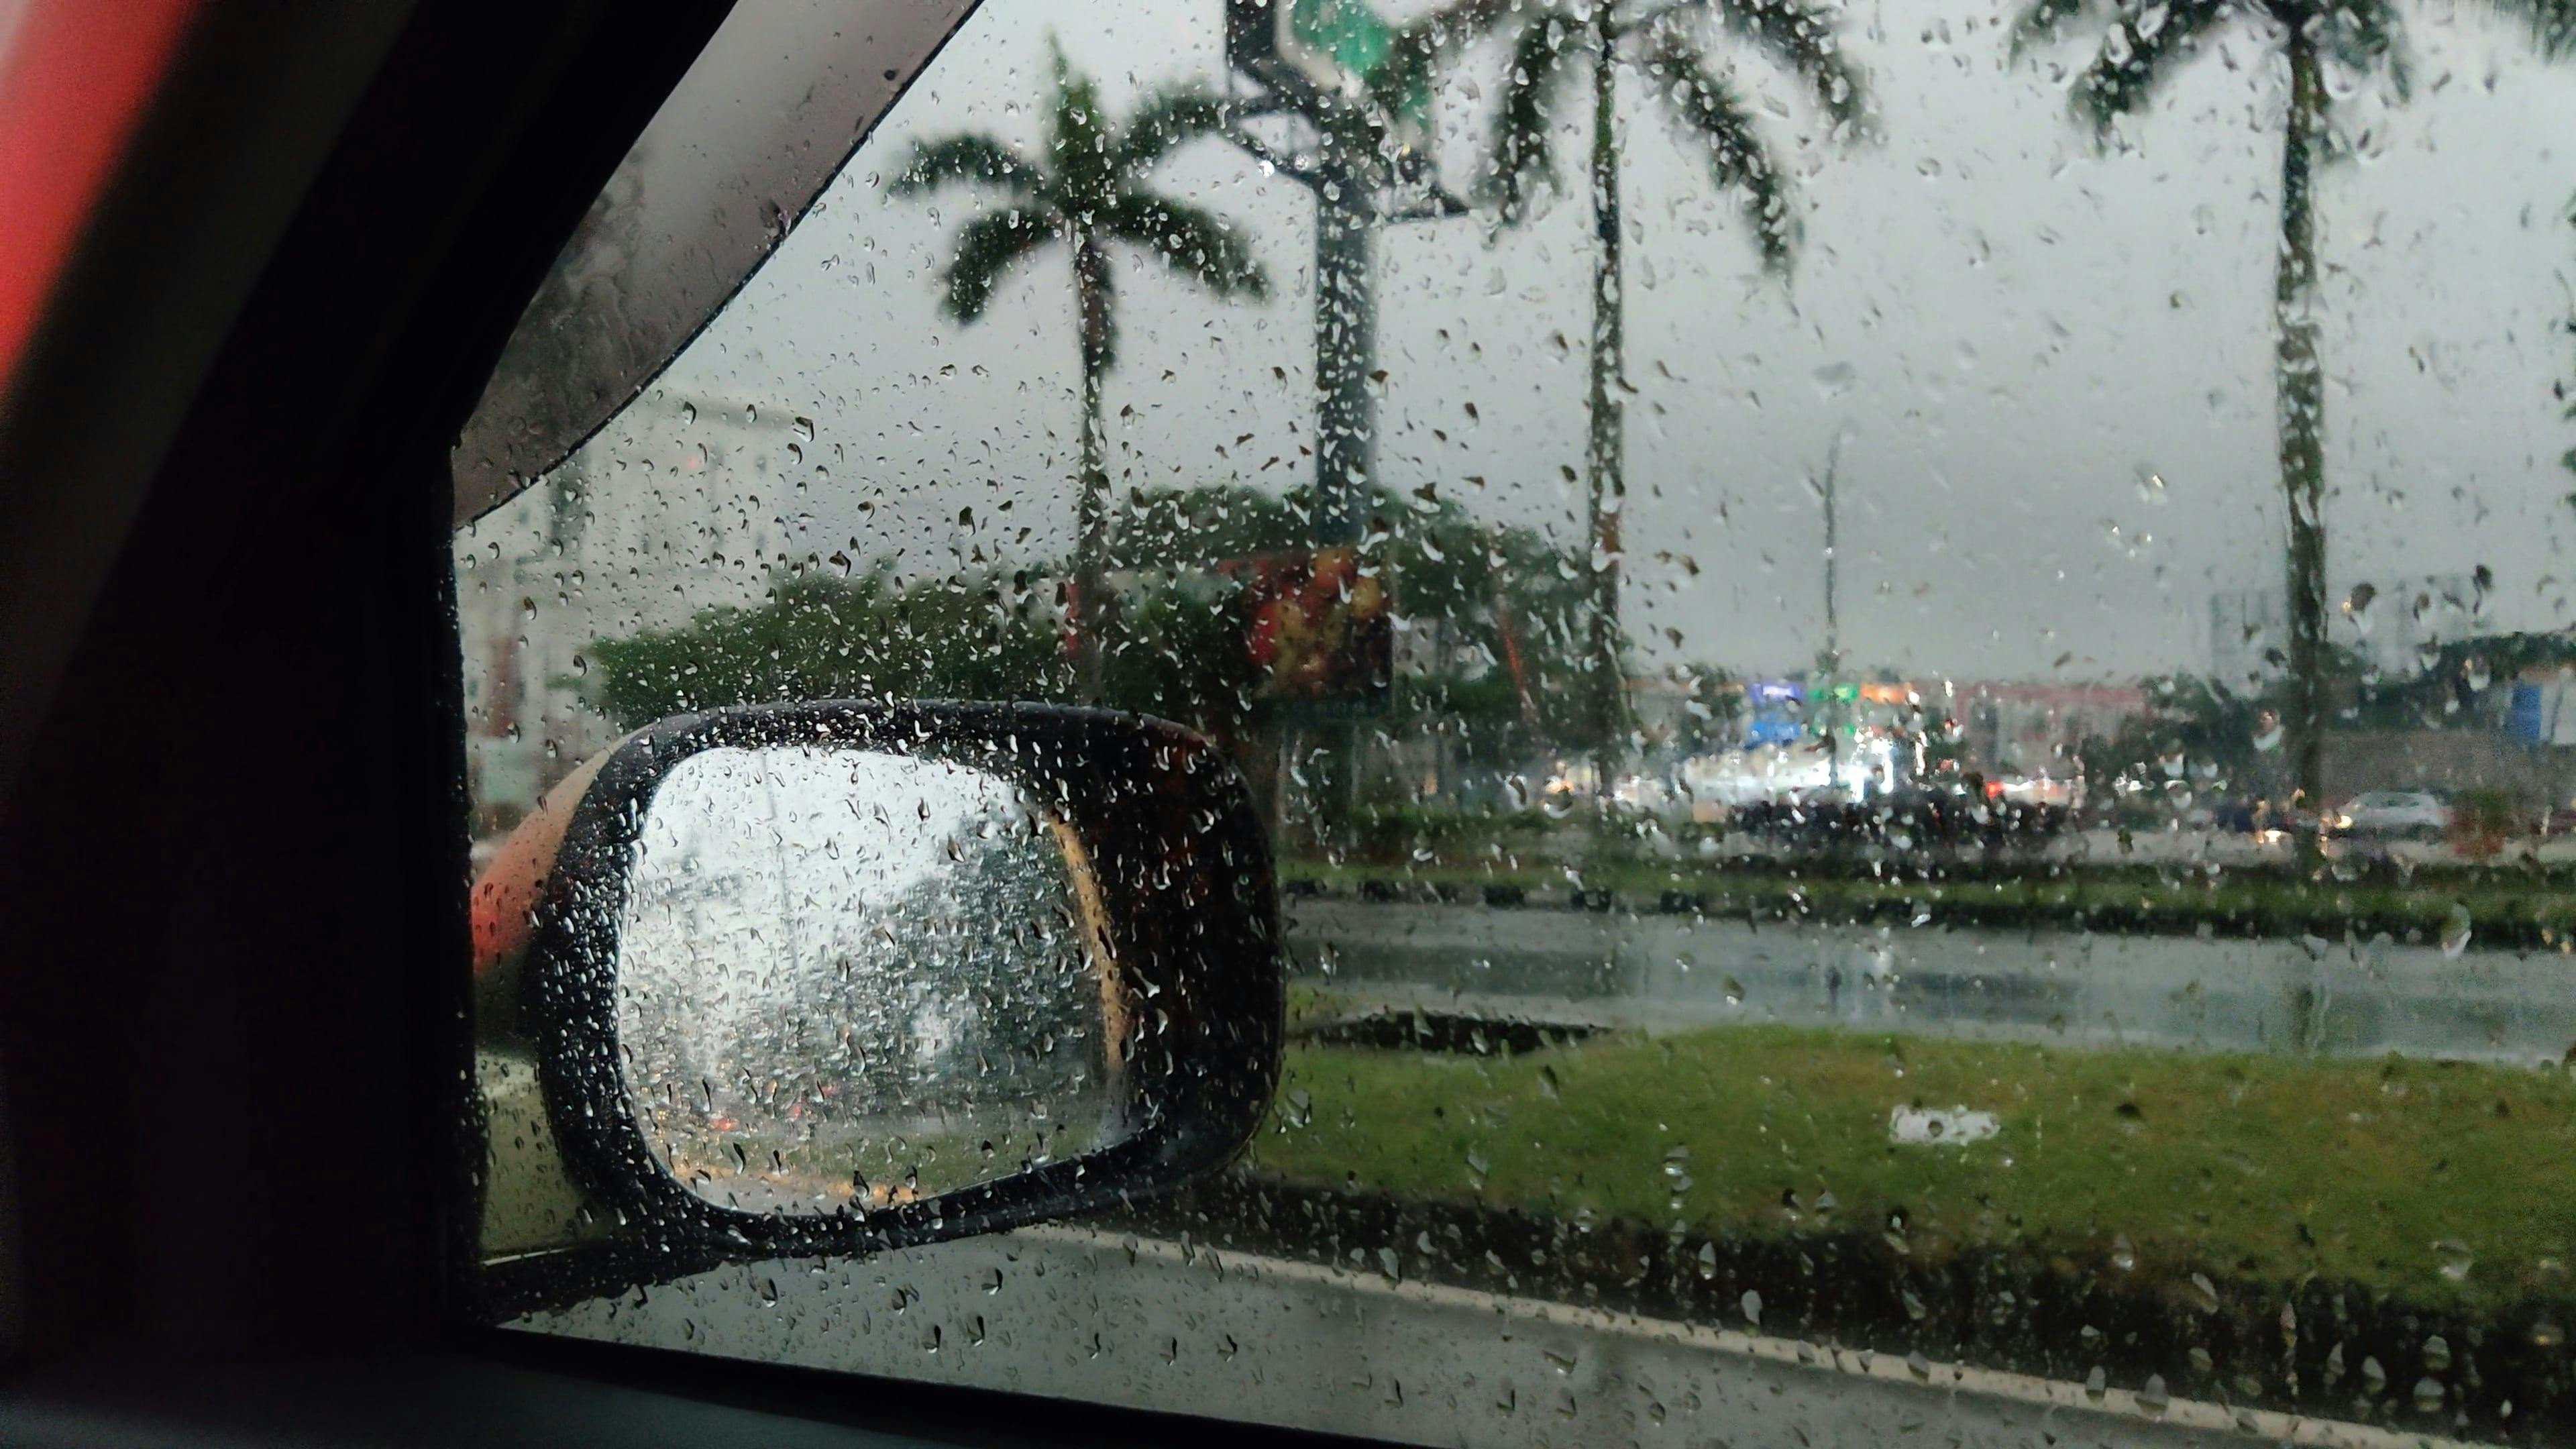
[234, 1051]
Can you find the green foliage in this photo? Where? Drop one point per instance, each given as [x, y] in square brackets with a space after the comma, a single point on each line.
[1089, 185]
[2236, 1165]
[1177, 651]
[2198, 731]
[1395, 830]
[2192, 729]
[2552, 24]
[1707, 107]
[1525, 119]
[978, 637]
[1713, 709]
[2219, 736]
[2486, 811]
[1670, 51]
[1509, 602]
[1501, 594]
[2144, 45]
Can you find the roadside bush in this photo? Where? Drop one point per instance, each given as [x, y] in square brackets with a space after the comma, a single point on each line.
[2480, 821]
[1394, 830]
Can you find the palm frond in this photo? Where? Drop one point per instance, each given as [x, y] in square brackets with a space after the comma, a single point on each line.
[971, 159]
[1709, 111]
[1166, 119]
[986, 249]
[1804, 39]
[1421, 44]
[1078, 139]
[2552, 24]
[2146, 41]
[2367, 36]
[1525, 121]
[1189, 240]
[2043, 21]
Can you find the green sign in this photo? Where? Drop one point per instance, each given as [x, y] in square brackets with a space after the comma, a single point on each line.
[1333, 45]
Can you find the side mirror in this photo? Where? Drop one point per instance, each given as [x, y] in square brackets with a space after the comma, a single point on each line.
[827, 978]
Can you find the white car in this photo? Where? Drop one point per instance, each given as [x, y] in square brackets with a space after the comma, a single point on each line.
[2419, 813]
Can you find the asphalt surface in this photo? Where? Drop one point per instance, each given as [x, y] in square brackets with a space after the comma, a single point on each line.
[1666, 972]
[1068, 1313]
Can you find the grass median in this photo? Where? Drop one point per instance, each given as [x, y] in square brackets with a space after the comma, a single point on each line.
[2498, 906]
[2443, 1184]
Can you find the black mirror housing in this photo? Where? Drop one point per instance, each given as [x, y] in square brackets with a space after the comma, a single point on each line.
[1182, 919]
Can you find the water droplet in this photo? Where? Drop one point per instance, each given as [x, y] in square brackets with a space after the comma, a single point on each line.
[2456, 1259]
[2456, 930]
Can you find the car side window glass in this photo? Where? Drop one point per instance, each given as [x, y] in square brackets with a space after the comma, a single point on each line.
[1913, 676]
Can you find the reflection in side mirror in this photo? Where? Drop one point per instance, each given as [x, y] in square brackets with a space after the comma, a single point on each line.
[828, 978]
[854, 977]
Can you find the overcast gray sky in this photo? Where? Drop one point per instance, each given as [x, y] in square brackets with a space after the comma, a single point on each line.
[2013, 326]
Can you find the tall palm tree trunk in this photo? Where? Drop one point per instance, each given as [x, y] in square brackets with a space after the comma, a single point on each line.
[1604, 463]
[2301, 408]
[1090, 614]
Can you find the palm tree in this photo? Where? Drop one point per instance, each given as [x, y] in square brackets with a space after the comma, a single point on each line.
[1667, 46]
[1087, 190]
[2144, 43]
[2566, 391]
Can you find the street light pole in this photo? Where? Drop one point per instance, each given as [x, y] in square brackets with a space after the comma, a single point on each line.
[1833, 634]
[1345, 346]
[1349, 178]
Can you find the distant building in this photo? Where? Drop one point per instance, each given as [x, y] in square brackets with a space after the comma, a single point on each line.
[2399, 628]
[686, 494]
[2395, 627]
[2024, 730]
[2249, 638]
[1779, 737]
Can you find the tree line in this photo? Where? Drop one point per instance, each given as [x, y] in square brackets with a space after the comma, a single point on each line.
[1090, 192]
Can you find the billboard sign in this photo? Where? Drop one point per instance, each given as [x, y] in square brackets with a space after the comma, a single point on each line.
[1778, 715]
[1322, 631]
[1323, 47]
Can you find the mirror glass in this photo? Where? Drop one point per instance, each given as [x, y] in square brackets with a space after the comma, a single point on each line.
[849, 977]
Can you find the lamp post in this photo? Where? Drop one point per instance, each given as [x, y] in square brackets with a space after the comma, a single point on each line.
[1833, 656]
[1308, 67]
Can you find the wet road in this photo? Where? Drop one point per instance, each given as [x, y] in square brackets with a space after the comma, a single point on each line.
[1664, 972]
[1364, 1350]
